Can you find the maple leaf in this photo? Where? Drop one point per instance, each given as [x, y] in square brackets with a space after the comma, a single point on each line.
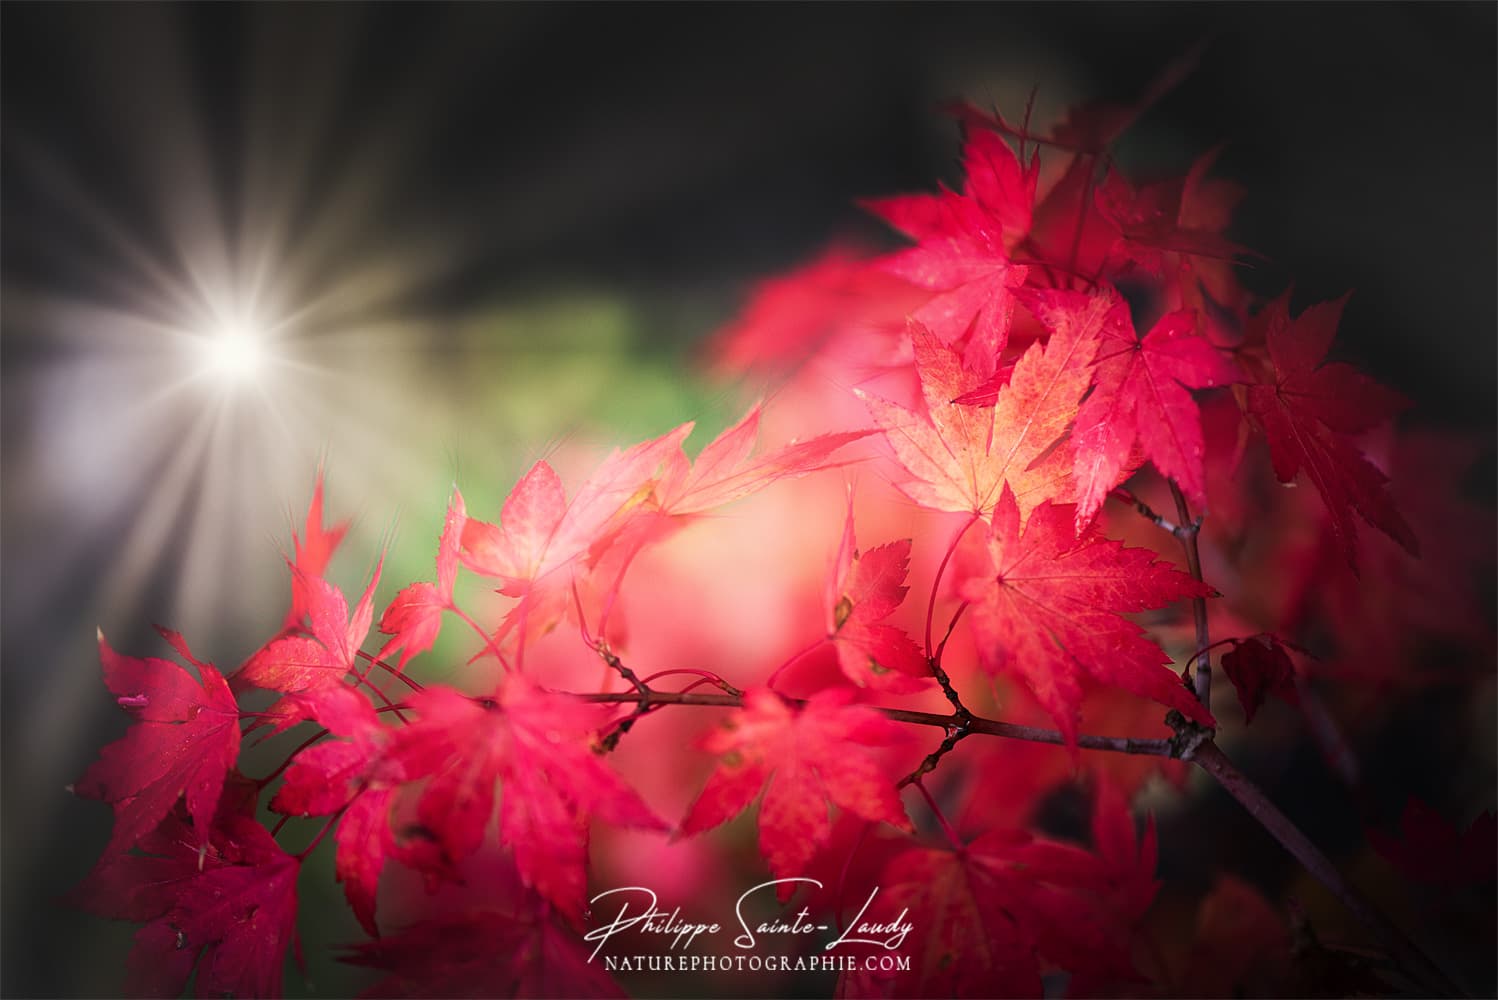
[960, 458]
[1241, 946]
[484, 953]
[1047, 608]
[994, 915]
[414, 617]
[1128, 859]
[969, 268]
[314, 550]
[1432, 850]
[300, 663]
[514, 550]
[1150, 223]
[353, 776]
[183, 743]
[539, 745]
[801, 759]
[227, 907]
[645, 491]
[1307, 410]
[964, 248]
[1139, 394]
[793, 317]
[339, 708]
[1260, 666]
[725, 471]
[863, 590]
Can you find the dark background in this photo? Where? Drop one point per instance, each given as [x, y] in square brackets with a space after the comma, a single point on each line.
[672, 153]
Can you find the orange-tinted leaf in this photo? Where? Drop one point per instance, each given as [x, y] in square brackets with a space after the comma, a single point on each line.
[960, 458]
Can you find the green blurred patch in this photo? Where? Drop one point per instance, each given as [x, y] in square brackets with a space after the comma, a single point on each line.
[569, 365]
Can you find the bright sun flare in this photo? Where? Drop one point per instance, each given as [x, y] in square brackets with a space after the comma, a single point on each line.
[235, 352]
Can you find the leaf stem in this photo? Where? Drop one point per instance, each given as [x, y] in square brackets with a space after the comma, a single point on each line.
[489, 643]
[946, 828]
[376, 661]
[936, 582]
[262, 782]
[328, 826]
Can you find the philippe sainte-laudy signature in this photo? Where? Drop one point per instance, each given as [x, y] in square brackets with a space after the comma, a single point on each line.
[638, 911]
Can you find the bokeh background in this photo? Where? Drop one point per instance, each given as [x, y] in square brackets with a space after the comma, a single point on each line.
[477, 232]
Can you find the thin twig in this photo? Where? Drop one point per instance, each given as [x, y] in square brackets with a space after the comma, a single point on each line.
[1203, 662]
[1146, 511]
[933, 758]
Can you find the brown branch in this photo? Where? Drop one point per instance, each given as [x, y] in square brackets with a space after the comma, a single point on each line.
[1210, 758]
[1187, 534]
[973, 723]
[1191, 743]
[933, 758]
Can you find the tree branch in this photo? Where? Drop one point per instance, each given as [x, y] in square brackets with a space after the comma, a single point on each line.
[1210, 758]
[1199, 749]
[1187, 533]
[973, 723]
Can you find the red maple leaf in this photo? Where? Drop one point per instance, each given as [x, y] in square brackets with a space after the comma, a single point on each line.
[802, 760]
[795, 316]
[484, 953]
[292, 662]
[964, 249]
[314, 550]
[1308, 410]
[1260, 666]
[353, 776]
[959, 457]
[539, 745]
[727, 470]
[1139, 394]
[990, 917]
[863, 590]
[414, 617]
[1432, 850]
[184, 741]
[641, 490]
[1156, 219]
[1048, 607]
[227, 907]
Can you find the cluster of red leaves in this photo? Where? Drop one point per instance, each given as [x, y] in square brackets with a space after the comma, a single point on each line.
[1007, 382]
